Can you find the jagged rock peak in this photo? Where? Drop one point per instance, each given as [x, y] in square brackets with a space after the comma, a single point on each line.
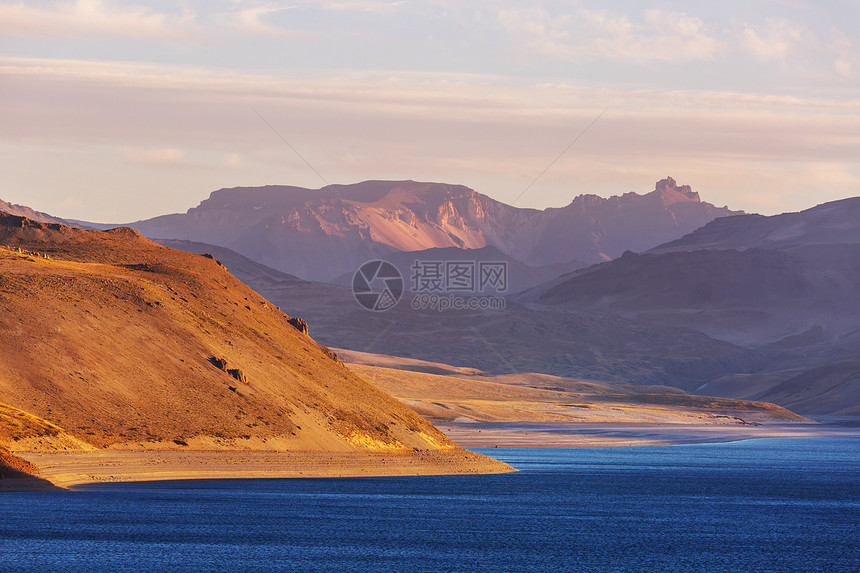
[668, 185]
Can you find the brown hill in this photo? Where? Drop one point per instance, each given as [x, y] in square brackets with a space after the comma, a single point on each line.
[17, 474]
[117, 342]
[321, 234]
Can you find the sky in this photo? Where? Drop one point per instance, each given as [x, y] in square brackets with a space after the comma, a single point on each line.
[118, 111]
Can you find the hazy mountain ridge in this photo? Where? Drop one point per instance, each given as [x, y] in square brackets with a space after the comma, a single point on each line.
[23, 211]
[830, 389]
[835, 222]
[322, 234]
[748, 279]
[788, 284]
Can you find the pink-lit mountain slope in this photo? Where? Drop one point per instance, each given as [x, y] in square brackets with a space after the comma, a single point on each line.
[323, 233]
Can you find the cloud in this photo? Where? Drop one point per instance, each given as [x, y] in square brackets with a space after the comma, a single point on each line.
[362, 6]
[586, 35]
[846, 55]
[661, 36]
[774, 41]
[250, 18]
[181, 94]
[158, 157]
[86, 18]
[488, 132]
[651, 37]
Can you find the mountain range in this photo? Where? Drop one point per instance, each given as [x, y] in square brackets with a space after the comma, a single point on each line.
[787, 285]
[740, 306]
[747, 279]
[322, 234]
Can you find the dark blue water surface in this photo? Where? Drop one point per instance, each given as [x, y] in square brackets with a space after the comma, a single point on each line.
[758, 505]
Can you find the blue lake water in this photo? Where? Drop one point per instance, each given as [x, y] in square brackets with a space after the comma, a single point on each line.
[757, 505]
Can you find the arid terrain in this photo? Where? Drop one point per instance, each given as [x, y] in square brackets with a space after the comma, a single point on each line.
[112, 342]
[142, 355]
[479, 409]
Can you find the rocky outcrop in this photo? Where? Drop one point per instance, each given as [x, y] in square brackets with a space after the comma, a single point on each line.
[299, 323]
[668, 187]
[221, 364]
[237, 374]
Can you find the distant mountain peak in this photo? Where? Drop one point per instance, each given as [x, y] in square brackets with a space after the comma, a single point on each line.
[22, 211]
[668, 189]
[320, 234]
[666, 192]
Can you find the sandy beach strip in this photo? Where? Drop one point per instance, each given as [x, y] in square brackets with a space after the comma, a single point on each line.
[67, 469]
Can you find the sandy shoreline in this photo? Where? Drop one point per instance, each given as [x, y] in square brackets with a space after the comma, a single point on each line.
[490, 434]
[67, 469]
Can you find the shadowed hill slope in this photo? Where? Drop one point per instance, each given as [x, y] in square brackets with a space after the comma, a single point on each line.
[830, 223]
[119, 342]
[786, 285]
[832, 389]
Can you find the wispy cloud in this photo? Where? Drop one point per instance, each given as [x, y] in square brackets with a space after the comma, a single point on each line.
[846, 54]
[661, 35]
[87, 18]
[651, 37]
[585, 35]
[482, 131]
[158, 157]
[253, 18]
[362, 5]
[774, 41]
